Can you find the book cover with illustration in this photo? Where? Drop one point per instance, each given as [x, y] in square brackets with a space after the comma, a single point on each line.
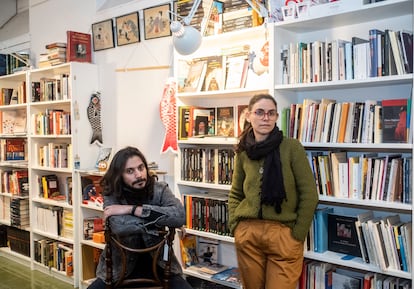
[394, 120]
[225, 121]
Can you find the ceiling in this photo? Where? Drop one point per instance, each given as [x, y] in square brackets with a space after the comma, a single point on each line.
[8, 9]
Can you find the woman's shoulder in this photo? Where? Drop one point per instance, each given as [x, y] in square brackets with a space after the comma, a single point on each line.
[291, 142]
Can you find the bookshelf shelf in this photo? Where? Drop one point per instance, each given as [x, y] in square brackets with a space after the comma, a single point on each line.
[341, 14]
[348, 84]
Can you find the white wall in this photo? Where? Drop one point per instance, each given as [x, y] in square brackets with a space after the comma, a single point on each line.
[130, 100]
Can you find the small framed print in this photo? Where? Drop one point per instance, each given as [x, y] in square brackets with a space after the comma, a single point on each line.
[302, 9]
[127, 29]
[103, 35]
[157, 21]
[289, 12]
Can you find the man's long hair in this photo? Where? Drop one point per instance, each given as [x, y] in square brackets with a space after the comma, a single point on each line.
[112, 182]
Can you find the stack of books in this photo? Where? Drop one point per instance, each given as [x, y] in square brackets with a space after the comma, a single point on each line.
[55, 54]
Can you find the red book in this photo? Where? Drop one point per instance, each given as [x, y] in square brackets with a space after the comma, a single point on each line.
[79, 47]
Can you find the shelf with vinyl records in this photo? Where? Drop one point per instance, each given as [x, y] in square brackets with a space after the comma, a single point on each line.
[343, 84]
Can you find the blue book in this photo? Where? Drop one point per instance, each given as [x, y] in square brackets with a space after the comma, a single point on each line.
[321, 228]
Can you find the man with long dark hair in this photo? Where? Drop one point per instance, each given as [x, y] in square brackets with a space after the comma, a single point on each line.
[137, 203]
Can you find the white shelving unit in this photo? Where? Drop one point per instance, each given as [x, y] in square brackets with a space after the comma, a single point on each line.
[344, 22]
[214, 45]
[82, 83]
[87, 248]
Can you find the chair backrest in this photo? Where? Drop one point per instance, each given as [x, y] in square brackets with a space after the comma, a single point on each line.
[155, 281]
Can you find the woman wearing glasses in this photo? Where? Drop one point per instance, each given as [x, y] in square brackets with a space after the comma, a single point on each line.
[272, 200]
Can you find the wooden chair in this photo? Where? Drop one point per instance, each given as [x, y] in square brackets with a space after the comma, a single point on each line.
[155, 281]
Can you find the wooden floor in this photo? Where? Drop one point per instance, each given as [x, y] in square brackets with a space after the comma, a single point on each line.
[16, 276]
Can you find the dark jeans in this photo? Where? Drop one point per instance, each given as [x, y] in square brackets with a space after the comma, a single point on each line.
[176, 282]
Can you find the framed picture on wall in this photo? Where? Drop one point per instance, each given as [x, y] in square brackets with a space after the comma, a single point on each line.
[157, 21]
[127, 29]
[103, 35]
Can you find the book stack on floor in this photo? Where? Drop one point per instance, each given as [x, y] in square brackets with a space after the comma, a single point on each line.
[55, 54]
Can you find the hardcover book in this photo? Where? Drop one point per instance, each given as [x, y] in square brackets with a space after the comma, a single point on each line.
[183, 122]
[225, 121]
[195, 77]
[394, 120]
[242, 109]
[214, 78]
[188, 245]
[342, 235]
[79, 47]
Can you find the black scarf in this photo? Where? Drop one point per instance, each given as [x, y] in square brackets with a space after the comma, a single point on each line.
[273, 189]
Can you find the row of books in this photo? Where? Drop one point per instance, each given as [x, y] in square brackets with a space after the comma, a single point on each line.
[54, 155]
[52, 122]
[54, 254]
[215, 17]
[13, 149]
[13, 122]
[19, 240]
[55, 188]
[52, 88]
[19, 213]
[17, 95]
[14, 62]
[196, 121]
[214, 73]
[15, 182]
[207, 165]
[49, 219]
[384, 53]
[365, 176]
[207, 213]
[329, 121]
[316, 275]
[383, 241]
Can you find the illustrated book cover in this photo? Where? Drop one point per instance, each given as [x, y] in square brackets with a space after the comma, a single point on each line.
[225, 121]
[342, 235]
[195, 77]
[79, 47]
[214, 77]
[188, 246]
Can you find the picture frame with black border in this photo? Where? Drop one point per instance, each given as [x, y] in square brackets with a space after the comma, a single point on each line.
[127, 29]
[103, 35]
[157, 21]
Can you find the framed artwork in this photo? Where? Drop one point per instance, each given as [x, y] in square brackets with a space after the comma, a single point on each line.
[103, 35]
[127, 29]
[157, 21]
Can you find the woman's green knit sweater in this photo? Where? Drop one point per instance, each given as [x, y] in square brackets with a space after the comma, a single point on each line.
[301, 194]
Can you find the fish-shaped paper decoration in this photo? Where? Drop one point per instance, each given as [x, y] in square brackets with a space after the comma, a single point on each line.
[168, 115]
[94, 116]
